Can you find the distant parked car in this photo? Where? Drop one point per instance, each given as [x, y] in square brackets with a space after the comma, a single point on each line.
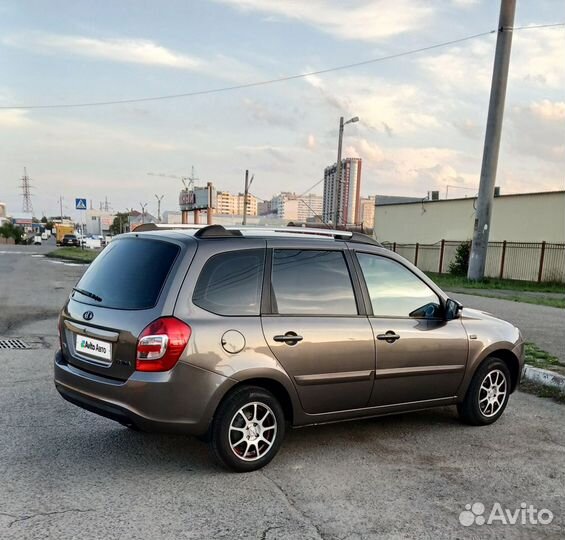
[70, 240]
[37, 240]
[45, 236]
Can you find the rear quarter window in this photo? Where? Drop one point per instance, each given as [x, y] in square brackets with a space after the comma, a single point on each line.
[129, 274]
[230, 283]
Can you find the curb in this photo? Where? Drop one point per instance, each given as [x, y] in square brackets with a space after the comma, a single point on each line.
[544, 377]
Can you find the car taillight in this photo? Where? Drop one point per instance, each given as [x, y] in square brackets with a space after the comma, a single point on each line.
[160, 345]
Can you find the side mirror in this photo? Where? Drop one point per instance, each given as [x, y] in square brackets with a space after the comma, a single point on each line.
[452, 309]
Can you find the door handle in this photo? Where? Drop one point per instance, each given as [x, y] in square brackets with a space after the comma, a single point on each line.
[389, 336]
[290, 338]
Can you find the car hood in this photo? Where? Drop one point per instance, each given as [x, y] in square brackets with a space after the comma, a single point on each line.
[486, 324]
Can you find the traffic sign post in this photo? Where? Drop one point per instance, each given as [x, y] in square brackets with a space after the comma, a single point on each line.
[80, 204]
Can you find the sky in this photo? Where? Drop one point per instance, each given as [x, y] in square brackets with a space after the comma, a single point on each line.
[422, 117]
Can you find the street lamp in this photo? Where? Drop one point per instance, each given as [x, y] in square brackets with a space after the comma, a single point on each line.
[338, 171]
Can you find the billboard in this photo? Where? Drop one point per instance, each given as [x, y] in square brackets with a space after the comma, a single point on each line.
[198, 198]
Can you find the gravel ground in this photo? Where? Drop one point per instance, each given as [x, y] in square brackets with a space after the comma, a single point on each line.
[66, 473]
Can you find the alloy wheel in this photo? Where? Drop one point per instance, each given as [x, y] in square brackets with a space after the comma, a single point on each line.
[252, 431]
[492, 393]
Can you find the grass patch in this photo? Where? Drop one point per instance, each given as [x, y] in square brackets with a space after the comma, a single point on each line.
[74, 254]
[536, 357]
[448, 280]
[542, 391]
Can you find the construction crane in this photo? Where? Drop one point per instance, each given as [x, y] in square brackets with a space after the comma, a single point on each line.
[187, 181]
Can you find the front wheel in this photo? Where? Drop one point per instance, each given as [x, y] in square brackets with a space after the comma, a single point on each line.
[487, 395]
[248, 429]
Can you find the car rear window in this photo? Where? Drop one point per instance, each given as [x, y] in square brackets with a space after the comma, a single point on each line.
[128, 274]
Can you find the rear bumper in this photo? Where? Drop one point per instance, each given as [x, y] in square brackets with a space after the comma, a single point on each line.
[182, 400]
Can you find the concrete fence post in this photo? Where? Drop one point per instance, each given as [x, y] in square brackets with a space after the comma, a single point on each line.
[502, 259]
[541, 258]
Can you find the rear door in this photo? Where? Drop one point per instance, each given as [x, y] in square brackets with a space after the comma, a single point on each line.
[130, 281]
[420, 356]
[314, 327]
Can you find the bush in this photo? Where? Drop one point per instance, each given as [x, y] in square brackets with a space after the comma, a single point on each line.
[11, 231]
[460, 264]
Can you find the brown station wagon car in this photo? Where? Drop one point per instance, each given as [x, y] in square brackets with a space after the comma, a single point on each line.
[232, 334]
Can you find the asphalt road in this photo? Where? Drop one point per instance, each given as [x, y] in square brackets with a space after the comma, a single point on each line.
[66, 473]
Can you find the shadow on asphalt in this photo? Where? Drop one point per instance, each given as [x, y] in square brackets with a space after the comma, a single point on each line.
[111, 447]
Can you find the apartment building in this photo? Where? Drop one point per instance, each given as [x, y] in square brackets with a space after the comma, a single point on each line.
[230, 204]
[348, 189]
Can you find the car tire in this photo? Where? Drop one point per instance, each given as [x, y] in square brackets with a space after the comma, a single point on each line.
[257, 416]
[487, 395]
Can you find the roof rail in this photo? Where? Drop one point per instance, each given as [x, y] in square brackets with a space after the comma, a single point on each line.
[219, 231]
[164, 227]
[216, 231]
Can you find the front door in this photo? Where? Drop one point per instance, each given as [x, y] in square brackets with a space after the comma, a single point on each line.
[420, 356]
[315, 331]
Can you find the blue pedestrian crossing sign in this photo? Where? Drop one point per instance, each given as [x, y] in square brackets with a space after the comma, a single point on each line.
[80, 204]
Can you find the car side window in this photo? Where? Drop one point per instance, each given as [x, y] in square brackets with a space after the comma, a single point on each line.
[312, 282]
[395, 291]
[230, 283]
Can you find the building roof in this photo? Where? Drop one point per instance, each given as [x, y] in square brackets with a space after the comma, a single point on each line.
[420, 200]
[382, 200]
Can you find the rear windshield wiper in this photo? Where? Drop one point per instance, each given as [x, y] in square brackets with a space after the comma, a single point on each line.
[88, 293]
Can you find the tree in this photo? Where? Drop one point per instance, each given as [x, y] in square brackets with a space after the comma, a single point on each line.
[120, 223]
[460, 264]
[43, 219]
[8, 230]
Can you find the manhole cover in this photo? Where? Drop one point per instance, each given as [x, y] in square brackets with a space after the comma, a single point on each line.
[13, 343]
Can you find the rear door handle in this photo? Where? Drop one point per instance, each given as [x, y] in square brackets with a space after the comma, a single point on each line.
[389, 336]
[290, 338]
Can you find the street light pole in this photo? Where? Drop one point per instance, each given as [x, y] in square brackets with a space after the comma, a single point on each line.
[338, 172]
[338, 183]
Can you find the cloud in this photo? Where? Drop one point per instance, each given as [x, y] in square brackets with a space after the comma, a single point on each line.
[311, 142]
[383, 106]
[133, 51]
[465, 68]
[136, 51]
[538, 130]
[265, 114]
[366, 150]
[537, 58]
[363, 20]
[13, 118]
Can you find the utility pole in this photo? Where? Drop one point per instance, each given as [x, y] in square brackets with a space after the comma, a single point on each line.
[143, 206]
[246, 195]
[61, 206]
[159, 199]
[209, 210]
[485, 198]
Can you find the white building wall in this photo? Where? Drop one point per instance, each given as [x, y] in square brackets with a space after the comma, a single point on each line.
[529, 217]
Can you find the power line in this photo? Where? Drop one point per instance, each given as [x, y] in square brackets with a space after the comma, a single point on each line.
[251, 84]
[276, 80]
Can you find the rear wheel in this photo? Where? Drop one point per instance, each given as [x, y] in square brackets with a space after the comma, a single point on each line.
[248, 429]
[487, 395]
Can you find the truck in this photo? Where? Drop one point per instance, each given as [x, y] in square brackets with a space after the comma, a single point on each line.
[61, 229]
